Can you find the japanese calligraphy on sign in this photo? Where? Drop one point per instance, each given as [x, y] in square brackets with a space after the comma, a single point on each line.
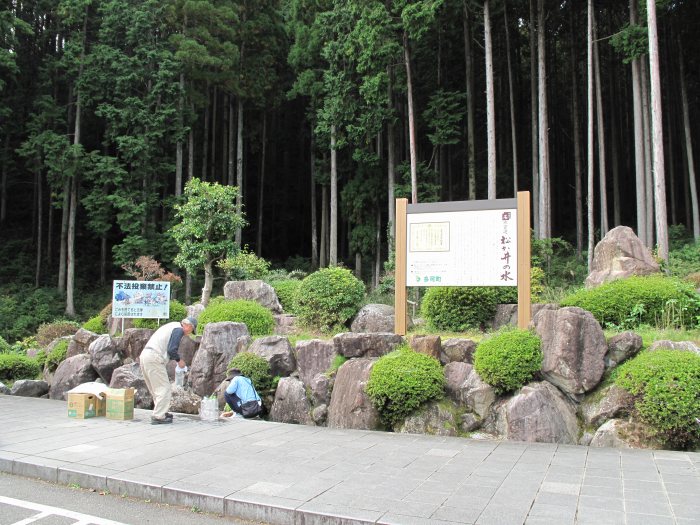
[468, 244]
[141, 299]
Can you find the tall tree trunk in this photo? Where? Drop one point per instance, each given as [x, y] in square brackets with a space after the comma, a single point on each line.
[208, 282]
[179, 147]
[103, 260]
[333, 243]
[261, 186]
[511, 97]
[601, 137]
[226, 130]
[230, 168]
[70, 253]
[39, 228]
[378, 251]
[543, 126]
[689, 148]
[534, 115]
[469, 76]
[65, 209]
[577, 140]
[214, 129]
[314, 207]
[658, 135]
[188, 288]
[205, 137]
[615, 120]
[323, 256]
[239, 169]
[648, 155]
[490, 104]
[591, 166]
[639, 161]
[190, 149]
[411, 120]
[390, 160]
[3, 179]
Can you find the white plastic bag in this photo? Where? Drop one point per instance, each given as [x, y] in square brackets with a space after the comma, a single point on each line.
[209, 409]
[180, 376]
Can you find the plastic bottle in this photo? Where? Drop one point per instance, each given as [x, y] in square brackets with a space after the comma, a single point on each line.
[180, 376]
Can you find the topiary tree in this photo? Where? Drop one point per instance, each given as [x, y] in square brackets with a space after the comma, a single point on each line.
[402, 381]
[652, 300]
[329, 297]
[254, 367]
[257, 318]
[205, 234]
[509, 359]
[461, 308]
[666, 386]
[176, 312]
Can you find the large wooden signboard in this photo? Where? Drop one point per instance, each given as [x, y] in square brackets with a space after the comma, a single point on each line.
[465, 243]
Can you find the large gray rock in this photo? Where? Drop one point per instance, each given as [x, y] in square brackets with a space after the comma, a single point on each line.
[80, 342]
[254, 290]
[538, 413]
[277, 351]
[621, 347]
[134, 340]
[618, 255]
[435, 418]
[374, 318]
[220, 342]
[464, 386]
[507, 314]
[321, 386]
[456, 374]
[427, 344]
[187, 349]
[350, 406]
[291, 404]
[184, 401]
[285, 324]
[314, 357]
[613, 434]
[574, 349]
[131, 376]
[194, 310]
[70, 373]
[4, 389]
[30, 388]
[105, 356]
[611, 402]
[457, 350]
[683, 346]
[351, 344]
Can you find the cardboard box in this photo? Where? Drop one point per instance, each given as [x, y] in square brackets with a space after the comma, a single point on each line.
[120, 403]
[83, 406]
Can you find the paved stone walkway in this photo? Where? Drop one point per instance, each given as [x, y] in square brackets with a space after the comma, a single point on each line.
[293, 474]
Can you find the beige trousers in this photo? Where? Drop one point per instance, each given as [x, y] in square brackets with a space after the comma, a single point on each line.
[157, 381]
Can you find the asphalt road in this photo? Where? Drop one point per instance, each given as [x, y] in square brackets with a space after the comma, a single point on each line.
[24, 501]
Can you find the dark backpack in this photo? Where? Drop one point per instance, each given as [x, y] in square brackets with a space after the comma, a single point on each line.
[252, 408]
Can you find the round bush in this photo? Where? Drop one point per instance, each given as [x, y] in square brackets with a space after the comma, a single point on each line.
[666, 386]
[286, 291]
[653, 300]
[176, 312]
[254, 367]
[48, 332]
[461, 308]
[403, 380]
[257, 318]
[95, 324]
[13, 367]
[509, 359]
[329, 297]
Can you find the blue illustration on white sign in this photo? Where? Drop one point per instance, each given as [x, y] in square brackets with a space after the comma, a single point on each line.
[141, 299]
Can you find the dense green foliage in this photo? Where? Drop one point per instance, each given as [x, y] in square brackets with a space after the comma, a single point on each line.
[254, 367]
[402, 381]
[177, 311]
[666, 386]
[653, 300]
[5, 347]
[244, 265]
[257, 318]
[56, 355]
[509, 359]
[461, 308]
[95, 324]
[287, 291]
[13, 367]
[23, 309]
[47, 332]
[329, 297]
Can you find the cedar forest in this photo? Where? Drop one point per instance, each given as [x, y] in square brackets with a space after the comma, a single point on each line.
[323, 112]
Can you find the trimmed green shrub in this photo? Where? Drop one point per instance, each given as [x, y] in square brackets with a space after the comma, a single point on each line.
[652, 300]
[402, 381]
[509, 359]
[666, 386]
[257, 318]
[329, 297]
[244, 265]
[48, 332]
[13, 366]
[254, 367]
[287, 291]
[460, 308]
[177, 312]
[57, 355]
[95, 324]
